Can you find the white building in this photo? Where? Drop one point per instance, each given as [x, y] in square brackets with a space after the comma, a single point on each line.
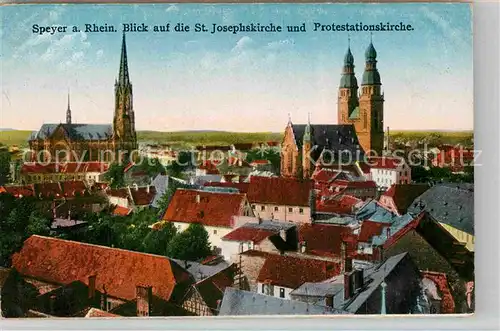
[387, 171]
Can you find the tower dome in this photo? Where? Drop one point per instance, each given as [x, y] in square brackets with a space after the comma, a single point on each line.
[348, 58]
[371, 53]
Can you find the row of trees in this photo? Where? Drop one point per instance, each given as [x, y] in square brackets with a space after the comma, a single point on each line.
[435, 174]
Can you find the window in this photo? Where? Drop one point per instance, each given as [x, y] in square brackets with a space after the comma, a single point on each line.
[262, 207]
[290, 210]
[215, 231]
[276, 208]
[282, 292]
[108, 306]
[241, 247]
[253, 207]
[263, 290]
[301, 210]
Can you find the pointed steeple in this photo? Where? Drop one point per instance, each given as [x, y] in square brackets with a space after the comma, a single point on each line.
[68, 112]
[307, 131]
[123, 77]
[371, 75]
[348, 78]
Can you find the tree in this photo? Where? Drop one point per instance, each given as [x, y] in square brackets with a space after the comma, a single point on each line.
[164, 200]
[183, 162]
[4, 166]
[115, 175]
[157, 241]
[270, 154]
[191, 244]
[152, 167]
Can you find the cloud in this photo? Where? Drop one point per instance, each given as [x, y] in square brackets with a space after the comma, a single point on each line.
[281, 44]
[172, 8]
[243, 44]
[449, 31]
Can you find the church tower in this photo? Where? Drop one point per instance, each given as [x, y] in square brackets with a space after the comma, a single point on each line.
[348, 90]
[371, 104]
[125, 138]
[68, 113]
[306, 150]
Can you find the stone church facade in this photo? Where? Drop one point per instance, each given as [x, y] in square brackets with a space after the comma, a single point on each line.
[92, 142]
[360, 128]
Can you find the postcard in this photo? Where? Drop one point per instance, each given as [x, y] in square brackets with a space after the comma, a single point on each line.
[236, 159]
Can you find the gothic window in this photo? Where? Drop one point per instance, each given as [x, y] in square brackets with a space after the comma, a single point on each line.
[365, 120]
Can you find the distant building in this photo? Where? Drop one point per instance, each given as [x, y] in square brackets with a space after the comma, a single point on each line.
[90, 172]
[387, 171]
[131, 198]
[399, 197]
[70, 141]
[281, 199]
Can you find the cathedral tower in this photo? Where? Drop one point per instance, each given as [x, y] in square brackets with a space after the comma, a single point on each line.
[68, 113]
[124, 122]
[371, 103]
[348, 90]
[306, 151]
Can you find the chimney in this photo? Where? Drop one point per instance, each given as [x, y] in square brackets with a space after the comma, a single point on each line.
[343, 249]
[329, 301]
[136, 187]
[147, 189]
[347, 286]
[91, 286]
[144, 295]
[197, 198]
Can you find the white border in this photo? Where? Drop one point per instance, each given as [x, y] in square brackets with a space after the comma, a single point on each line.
[486, 137]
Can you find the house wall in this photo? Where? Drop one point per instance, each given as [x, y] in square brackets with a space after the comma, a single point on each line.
[122, 202]
[231, 249]
[274, 290]
[250, 267]
[215, 233]
[298, 214]
[194, 303]
[386, 177]
[461, 236]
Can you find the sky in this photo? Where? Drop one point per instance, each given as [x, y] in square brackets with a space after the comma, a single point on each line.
[236, 82]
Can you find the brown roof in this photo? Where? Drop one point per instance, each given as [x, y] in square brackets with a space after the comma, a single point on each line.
[207, 208]
[242, 187]
[212, 288]
[18, 190]
[254, 235]
[142, 196]
[292, 272]
[279, 191]
[404, 194]
[325, 238]
[118, 193]
[119, 271]
[68, 167]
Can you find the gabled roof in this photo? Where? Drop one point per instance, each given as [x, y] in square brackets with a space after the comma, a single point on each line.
[143, 196]
[75, 132]
[334, 137]
[279, 191]
[257, 232]
[117, 271]
[373, 280]
[325, 239]
[404, 194]
[207, 208]
[237, 302]
[212, 288]
[292, 272]
[449, 204]
[241, 187]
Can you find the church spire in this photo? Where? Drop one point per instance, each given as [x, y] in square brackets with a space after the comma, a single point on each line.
[371, 75]
[348, 79]
[123, 77]
[68, 112]
[307, 131]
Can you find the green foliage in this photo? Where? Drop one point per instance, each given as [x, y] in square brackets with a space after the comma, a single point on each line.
[4, 166]
[19, 219]
[191, 244]
[115, 175]
[435, 174]
[270, 154]
[152, 167]
[17, 295]
[183, 162]
[157, 241]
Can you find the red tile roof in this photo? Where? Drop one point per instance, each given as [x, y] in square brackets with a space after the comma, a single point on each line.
[292, 272]
[119, 271]
[207, 208]
[118, 193]
[324, 175]
[73, 188]
[354, 184]
[384, 162]
[49, 190]
[121, 211]
[447, 301]
[279, 191]
[142, 196]
[259, 162]
[212, 288]
[326, 239]
[242, 187]
[248, 234]
[338, 204]
[18, 191]
[404, 194]
[370, 229]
